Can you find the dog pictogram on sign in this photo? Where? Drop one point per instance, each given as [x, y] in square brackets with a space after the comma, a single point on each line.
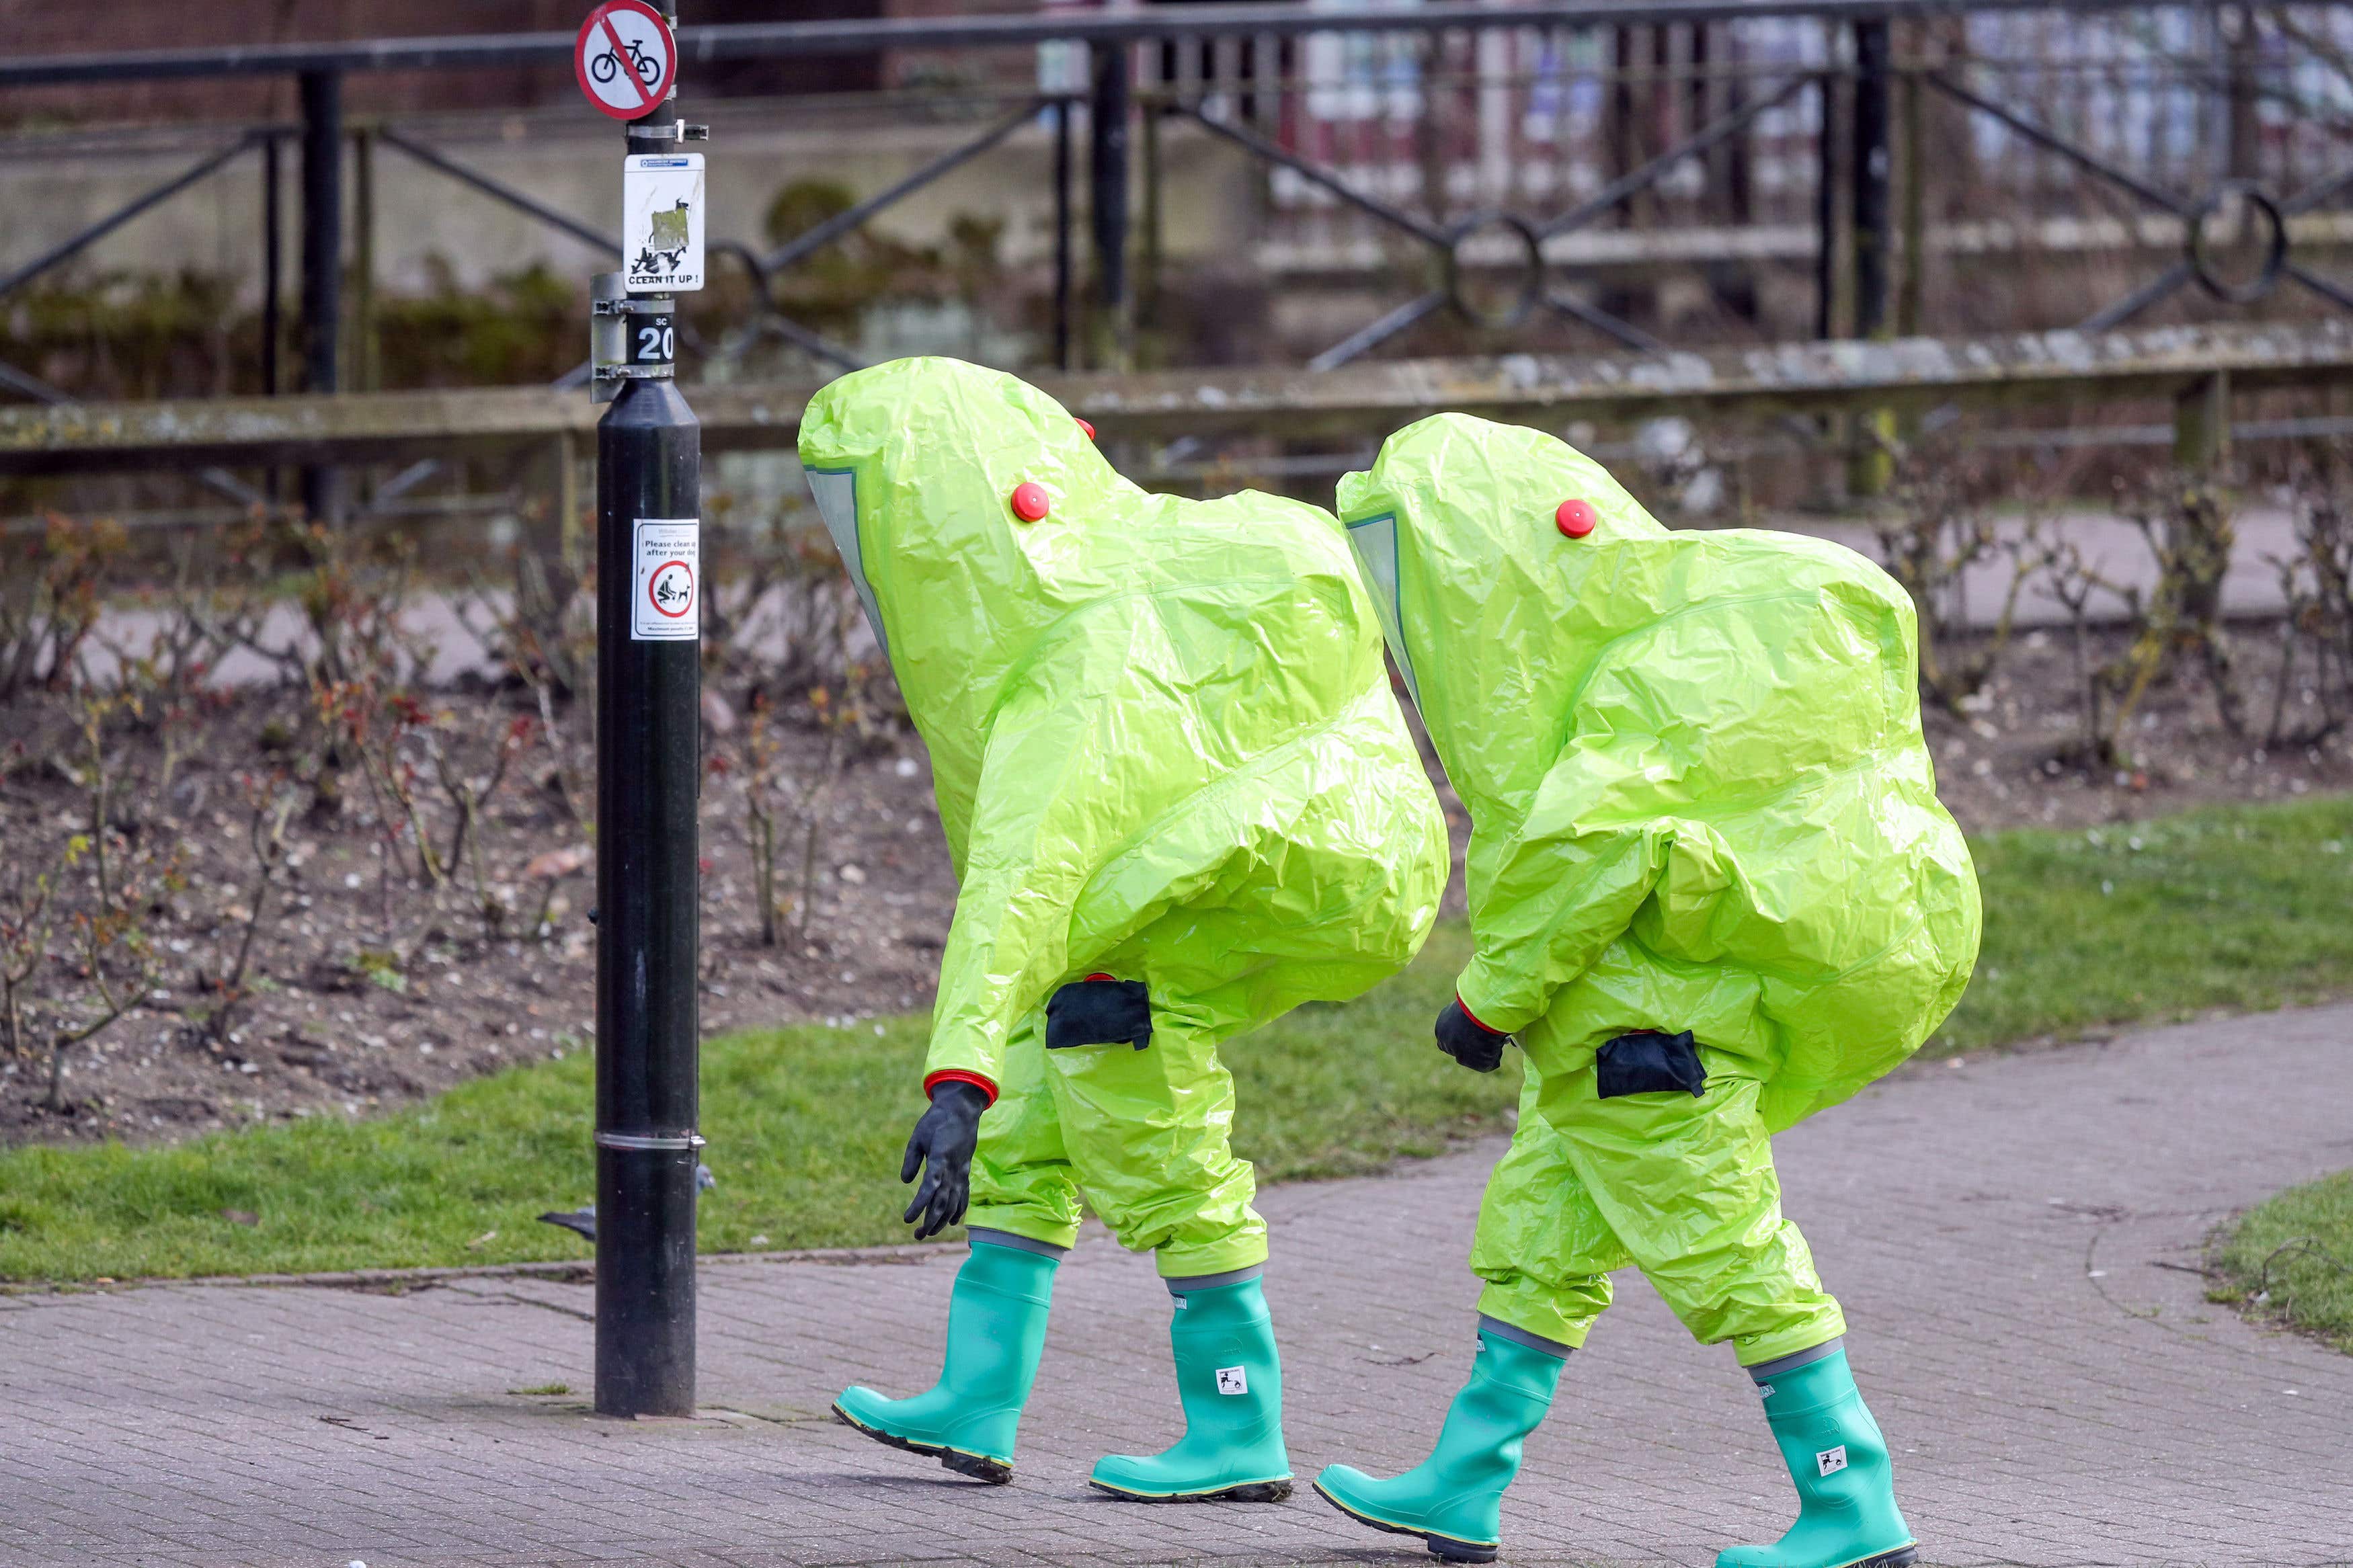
[666, 602]
[673, 589]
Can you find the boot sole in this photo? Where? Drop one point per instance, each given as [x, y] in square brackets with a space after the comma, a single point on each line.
[1902, 1557]
[979, 1466]
[1445, 1547]
[1249, 1491]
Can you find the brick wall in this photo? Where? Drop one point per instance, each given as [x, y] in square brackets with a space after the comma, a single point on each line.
[48, 28]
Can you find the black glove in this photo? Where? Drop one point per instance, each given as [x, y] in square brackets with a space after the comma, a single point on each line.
[942, 1146]
[1469, 1041]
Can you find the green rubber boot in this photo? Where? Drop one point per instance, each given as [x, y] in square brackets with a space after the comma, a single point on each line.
[1847, 1516]
[1454, 1498]
[996, 1326]
[1232, 1384]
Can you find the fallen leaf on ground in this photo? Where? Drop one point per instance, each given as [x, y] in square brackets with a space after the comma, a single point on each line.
[557, 863]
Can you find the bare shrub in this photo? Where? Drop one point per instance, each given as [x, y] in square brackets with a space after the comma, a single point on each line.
[420, 763]
[269, 801]
[2317, 583]
[779, 610]
[352, 594]
[118, 874]
[46, 613]
[28, 918]
[552, 654]
[2078, 587]
[541, 632]
[790, 779]
[2187, 523]
[1944, 526]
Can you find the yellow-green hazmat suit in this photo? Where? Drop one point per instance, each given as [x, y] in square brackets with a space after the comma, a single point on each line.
[1701, 802]
[1165, 750]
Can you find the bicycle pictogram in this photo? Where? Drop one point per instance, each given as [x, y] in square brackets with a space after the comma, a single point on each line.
[647, 64]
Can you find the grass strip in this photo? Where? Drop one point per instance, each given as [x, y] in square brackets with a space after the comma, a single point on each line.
[806, 1125]
[2290, 1260]
[2234, 908]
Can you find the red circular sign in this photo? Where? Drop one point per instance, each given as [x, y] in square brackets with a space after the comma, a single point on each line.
[625, 58]
[664, 591]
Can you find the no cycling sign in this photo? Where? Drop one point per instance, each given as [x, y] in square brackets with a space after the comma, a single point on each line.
[625, 58]
[665, 598]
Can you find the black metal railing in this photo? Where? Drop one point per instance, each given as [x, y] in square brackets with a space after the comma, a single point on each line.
[1506, 169]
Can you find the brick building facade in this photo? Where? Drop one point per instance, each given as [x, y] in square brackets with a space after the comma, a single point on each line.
[36, 27]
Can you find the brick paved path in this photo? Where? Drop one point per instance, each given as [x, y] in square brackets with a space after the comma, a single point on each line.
[2008, 1237]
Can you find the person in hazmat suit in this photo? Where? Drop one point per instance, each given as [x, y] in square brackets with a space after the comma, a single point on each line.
[1181, 800]
[1712, 892]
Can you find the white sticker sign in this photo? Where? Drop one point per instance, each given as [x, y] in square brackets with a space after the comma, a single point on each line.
[666, 601]
[661, 223]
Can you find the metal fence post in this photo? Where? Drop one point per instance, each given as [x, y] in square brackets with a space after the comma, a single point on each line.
[1625, 142]
[1871, 176]
[366, 371]
[1061, 112]
[1912, 293]
[1107, 120]
[2243, 45]
[273, 248]
[322, 94]
[1148, 304]
[1740, 289]
[2202, 424]
[649, 901]
[1826, 220]
[1871, 460]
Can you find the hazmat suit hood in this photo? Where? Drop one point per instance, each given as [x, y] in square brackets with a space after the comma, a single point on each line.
[1160, 731]
[957, 588]
[1700, 794]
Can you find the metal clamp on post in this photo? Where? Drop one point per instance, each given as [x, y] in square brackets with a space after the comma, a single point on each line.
[651, 1141]
[631, 337]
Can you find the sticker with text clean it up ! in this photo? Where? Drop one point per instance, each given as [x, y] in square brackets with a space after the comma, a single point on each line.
[1232, 1379]
[661, 223]
[666, 602]
[1831, 1460]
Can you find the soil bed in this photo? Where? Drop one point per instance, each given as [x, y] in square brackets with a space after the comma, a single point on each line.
[2018, 759]
[330, 1028]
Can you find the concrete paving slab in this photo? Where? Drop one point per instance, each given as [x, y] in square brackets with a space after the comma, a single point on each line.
[2014, 1239]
